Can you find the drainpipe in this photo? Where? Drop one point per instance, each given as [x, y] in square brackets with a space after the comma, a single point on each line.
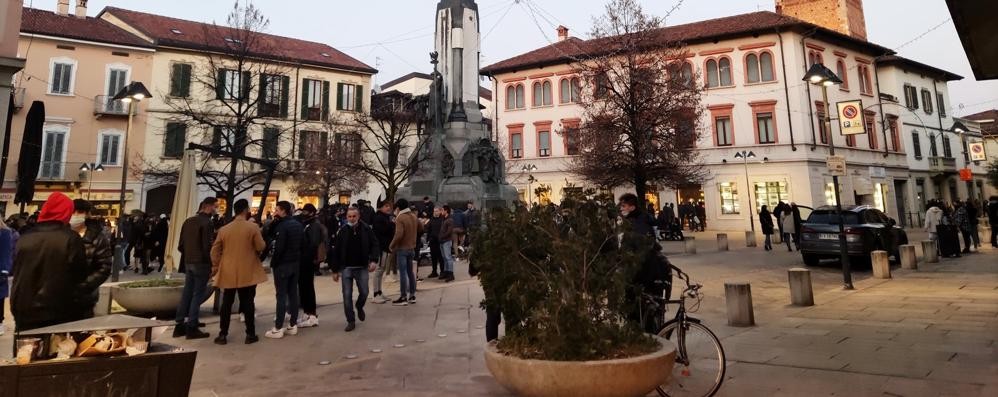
[810, 101]
[880, 101]
[786, 91]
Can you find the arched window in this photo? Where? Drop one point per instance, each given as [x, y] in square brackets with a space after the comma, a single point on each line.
[515, 98]
[602, 85]
[759, 67]
[542, 93]
[686, 72]
[571, 90]
[752, 68]
[521, 96]
[719, 72]
[548, 95]
[840, 69]
[766, 66]
[712, 80]
[724, 70]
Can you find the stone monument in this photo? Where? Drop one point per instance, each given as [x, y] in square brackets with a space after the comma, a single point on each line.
[461, 161]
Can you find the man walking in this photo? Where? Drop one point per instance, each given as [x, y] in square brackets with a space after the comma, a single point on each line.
[384, 231]
[433, 227]
[355, 256]
[236, 269]
[196, 238]
[403, 245]
[313, 253]
[288, 237]
[447, 238]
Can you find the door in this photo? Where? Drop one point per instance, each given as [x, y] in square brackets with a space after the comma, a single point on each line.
[52, 155]
[900, 193]
[116, 80]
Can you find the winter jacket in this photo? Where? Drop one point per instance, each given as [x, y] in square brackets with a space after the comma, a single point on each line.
[235, 255]
[288, 238]
[406, 230]
[446, 230]
[314, 244]
[51, 277]
[433, 229]
[766, 222]
[962, 219]
[100, 255]
[384, 229]
[196, 237]
[368, 246]
[641, 222]
[993, 213]
[787, 221]
[6, 260]
[458, 220]
[933, 218]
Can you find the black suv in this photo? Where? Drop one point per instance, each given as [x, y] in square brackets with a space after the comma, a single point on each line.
[867, 229]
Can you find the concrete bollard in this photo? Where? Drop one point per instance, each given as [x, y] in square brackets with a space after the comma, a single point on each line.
[881, 265]
[103, 307]
[930, 252]
[777, 237]
[722, 242]
[738, 297]
[801, 293]
[750, 239]
[691, 245]
[908, 258]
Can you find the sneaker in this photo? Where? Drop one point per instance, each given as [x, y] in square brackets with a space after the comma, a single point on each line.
[433, 275]
[251, 339]
[197, 334]
[178, 330]
[360, 314]
[412, 300]
[310, 321]
[292, 330]
[221, 340]
[275, 333]
[350, 327]
[380, 299]
[402, 301]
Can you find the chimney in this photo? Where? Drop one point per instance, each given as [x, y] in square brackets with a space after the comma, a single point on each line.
[562, 33]
[62, 8]
[81, 9]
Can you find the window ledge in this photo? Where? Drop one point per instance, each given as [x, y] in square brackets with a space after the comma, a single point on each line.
[542, 106]
[516, 110]
[568, 103]
[759, 83]
[866, 94]
[720, 87]
[62, 95]
[843, 89]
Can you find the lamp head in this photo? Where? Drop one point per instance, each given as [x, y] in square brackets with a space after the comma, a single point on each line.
[85, 167]
[134, 91]
[958, 128]
[99, 168]
[818, 74]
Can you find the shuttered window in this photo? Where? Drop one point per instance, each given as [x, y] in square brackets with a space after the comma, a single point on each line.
[110, 149]
[62, 79]
[270, 142]
[349, 97]
[180, 80]
[176, 138]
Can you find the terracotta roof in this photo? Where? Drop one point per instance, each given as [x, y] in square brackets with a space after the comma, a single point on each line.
[735, 26]
[410, 76]
[48, 23]
[180, 33]
[921, 67]
[485, 93]
[985, 115]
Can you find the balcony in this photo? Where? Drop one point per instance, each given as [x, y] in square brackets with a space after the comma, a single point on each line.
[19, 98]
[942, 165]
[105, 106]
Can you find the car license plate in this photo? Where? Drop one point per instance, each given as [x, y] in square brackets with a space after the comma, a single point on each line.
[826, 236]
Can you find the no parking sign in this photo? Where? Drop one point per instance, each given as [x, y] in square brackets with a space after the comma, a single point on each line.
[851, 117]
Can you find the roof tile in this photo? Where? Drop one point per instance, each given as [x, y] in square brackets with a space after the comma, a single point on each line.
[69, 26]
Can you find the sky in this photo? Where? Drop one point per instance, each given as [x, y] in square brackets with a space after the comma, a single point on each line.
[395, 36]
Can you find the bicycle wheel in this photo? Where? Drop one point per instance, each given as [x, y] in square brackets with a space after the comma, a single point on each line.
[700, 364]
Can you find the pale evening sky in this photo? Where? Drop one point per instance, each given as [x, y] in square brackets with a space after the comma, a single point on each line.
[395, 36]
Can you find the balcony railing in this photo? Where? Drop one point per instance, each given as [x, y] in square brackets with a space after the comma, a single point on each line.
[104, 105]
[19, 98]
[942, 164]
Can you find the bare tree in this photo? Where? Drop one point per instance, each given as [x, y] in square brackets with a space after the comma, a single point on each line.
[244, 88]
[324, 171]
[640, 118]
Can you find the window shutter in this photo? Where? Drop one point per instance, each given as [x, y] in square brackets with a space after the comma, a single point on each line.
[285, 86]
[339, 96]
[175, 76]
[359, 94]
[261, 97]
[325, 100]
[244, 86]
[185, 80]
[220, 85]
[216, 137]
[304, 99]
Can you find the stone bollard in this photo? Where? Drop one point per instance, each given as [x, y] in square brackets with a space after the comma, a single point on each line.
[691, 245]
[103, 307]
[801, 293]
[750, 239]
[881, 265]
[930, 252]
[738, 296]
[908, 259]
[777, 237]
[722, 242]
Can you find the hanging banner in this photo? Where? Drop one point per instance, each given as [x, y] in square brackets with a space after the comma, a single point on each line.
[851, 117]
[977, 152]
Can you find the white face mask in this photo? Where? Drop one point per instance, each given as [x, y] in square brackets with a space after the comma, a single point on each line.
[77, 220]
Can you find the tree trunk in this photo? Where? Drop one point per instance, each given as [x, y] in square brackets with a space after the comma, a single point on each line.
[230, 189]
[640, 189]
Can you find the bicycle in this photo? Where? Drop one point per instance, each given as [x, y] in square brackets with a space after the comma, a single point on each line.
[700, 362]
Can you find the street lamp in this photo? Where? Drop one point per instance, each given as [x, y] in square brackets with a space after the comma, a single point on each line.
[91, 168]
[745, 156]
[131, 94]
[530, 179]
[822, 76]
[961, 130]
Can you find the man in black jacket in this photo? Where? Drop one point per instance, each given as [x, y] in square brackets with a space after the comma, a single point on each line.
[655, 275]
[355, 256]
[433, 239]
[96, 247]
[313, 253]
[53, 283]
[196, 237]
[384, 230]
[288, 236]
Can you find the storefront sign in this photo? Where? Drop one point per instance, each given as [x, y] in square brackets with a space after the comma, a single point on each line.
[977, 152]
[851, 117]
[966, 175]
[836, 165]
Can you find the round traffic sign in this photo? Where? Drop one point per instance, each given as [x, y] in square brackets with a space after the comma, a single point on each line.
[850, 111]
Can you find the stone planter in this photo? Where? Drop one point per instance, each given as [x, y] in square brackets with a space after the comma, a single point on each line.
[629, 377]
[150, 300]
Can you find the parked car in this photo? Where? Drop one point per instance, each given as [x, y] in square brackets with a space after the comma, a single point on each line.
[867, 229]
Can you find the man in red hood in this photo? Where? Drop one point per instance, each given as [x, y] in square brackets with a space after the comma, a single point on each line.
[53, 281]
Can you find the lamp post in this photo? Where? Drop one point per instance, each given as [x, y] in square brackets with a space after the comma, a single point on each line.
[530, 180]
[131, 94]
[745, 155]
[961, 130]
[91, 168]
[821, 76]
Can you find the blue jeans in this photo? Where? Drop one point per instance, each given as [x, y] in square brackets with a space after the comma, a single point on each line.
[407, 279]
[286, 283]
[351, 275]
[190, 303]
[446, 248]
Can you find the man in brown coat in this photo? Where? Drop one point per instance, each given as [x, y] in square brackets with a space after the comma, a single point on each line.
[403, 245]
[236, 269]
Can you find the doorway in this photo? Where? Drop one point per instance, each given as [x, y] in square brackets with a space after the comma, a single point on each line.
[901, 197]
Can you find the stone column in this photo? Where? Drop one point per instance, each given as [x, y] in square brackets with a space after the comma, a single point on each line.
[750, 239]
[801, 293]
[881, 264]
[738, 297]
[908, 259]
[930, 251]
[722, 242]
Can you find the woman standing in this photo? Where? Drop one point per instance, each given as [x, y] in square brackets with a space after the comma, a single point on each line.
[789, 228]
[766, 222]
[6, 258]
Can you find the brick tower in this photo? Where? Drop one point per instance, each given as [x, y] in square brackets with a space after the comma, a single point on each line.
[843, 16]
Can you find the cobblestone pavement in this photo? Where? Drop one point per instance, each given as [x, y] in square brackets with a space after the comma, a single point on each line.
[929, 332]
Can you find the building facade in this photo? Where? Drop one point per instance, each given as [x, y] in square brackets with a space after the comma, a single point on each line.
[10, 63]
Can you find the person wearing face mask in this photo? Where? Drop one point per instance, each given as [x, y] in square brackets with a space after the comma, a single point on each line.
[97, 247]
[355, 254]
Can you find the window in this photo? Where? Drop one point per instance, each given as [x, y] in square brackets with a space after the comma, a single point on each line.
[271, 138]
[865, 85]
[515, 97]
[933, 148]
[350, 97]
[571, 90]
[313, 103]
[175, 139]
[516, 145]
[544, 143]
[822, 126]
[841, 71]
[814, 57]
[313, 145]
[722, 131]
[110, 148]
[719, 72]
[910, 97]
[892, 124]
[180, 80]
[966, 153]
[729, 198]
[53, 153]
[916, 142]
[222, 138]
[571, 137]
[767, 133]
[348, 143]
[62, 79]
[851, 140]
[687, 134]
[542, 93]
[117, 78]
[759, 67]
[602, 85]
[771, 194]
[941, 104]
[231, 86]
[871, 131]
[927, 101]
[947, 149]
[273, 95]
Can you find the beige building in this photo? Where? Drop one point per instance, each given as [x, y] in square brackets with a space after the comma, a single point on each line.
[75, 64]
[10, 63]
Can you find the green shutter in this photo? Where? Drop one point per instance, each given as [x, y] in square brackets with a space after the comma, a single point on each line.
[325, 100]
[185, 80]
[176, 73]
[359, 96]
[304, 99]
[216, 138]
[339, 96]
[261, 99]
[285, 86]
[245, 86]
[220, 85]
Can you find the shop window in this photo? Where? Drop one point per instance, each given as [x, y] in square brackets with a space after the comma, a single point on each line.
[729, 198]
[770, 194]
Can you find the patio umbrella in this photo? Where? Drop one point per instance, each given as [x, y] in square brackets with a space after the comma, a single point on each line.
[6, 138]
[184, 205]
[31, 154]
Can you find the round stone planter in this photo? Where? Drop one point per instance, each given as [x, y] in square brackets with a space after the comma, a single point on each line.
[154, 300]
[629, 377]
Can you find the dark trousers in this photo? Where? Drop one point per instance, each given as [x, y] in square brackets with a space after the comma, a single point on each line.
[143, 255]
[968, 240]
[246, 306]
[190, 302]
[492, 319]
[306, 286]
[128, 253]
[1, 309]
[994, 234]
[286, 283]
[360, 277]
[436, 256]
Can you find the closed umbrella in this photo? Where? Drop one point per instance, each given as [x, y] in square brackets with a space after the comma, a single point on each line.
[184, 205]
[31, 154]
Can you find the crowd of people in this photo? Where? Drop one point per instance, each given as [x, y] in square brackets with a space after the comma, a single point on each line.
[945, 221]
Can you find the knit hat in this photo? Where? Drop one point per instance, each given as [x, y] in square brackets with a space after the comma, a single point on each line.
[57, 208]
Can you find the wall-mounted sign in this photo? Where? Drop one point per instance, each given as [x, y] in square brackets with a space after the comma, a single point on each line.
[977, 152]
[851, 117]
[878, 172]
[966, 175]
[836, 165]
